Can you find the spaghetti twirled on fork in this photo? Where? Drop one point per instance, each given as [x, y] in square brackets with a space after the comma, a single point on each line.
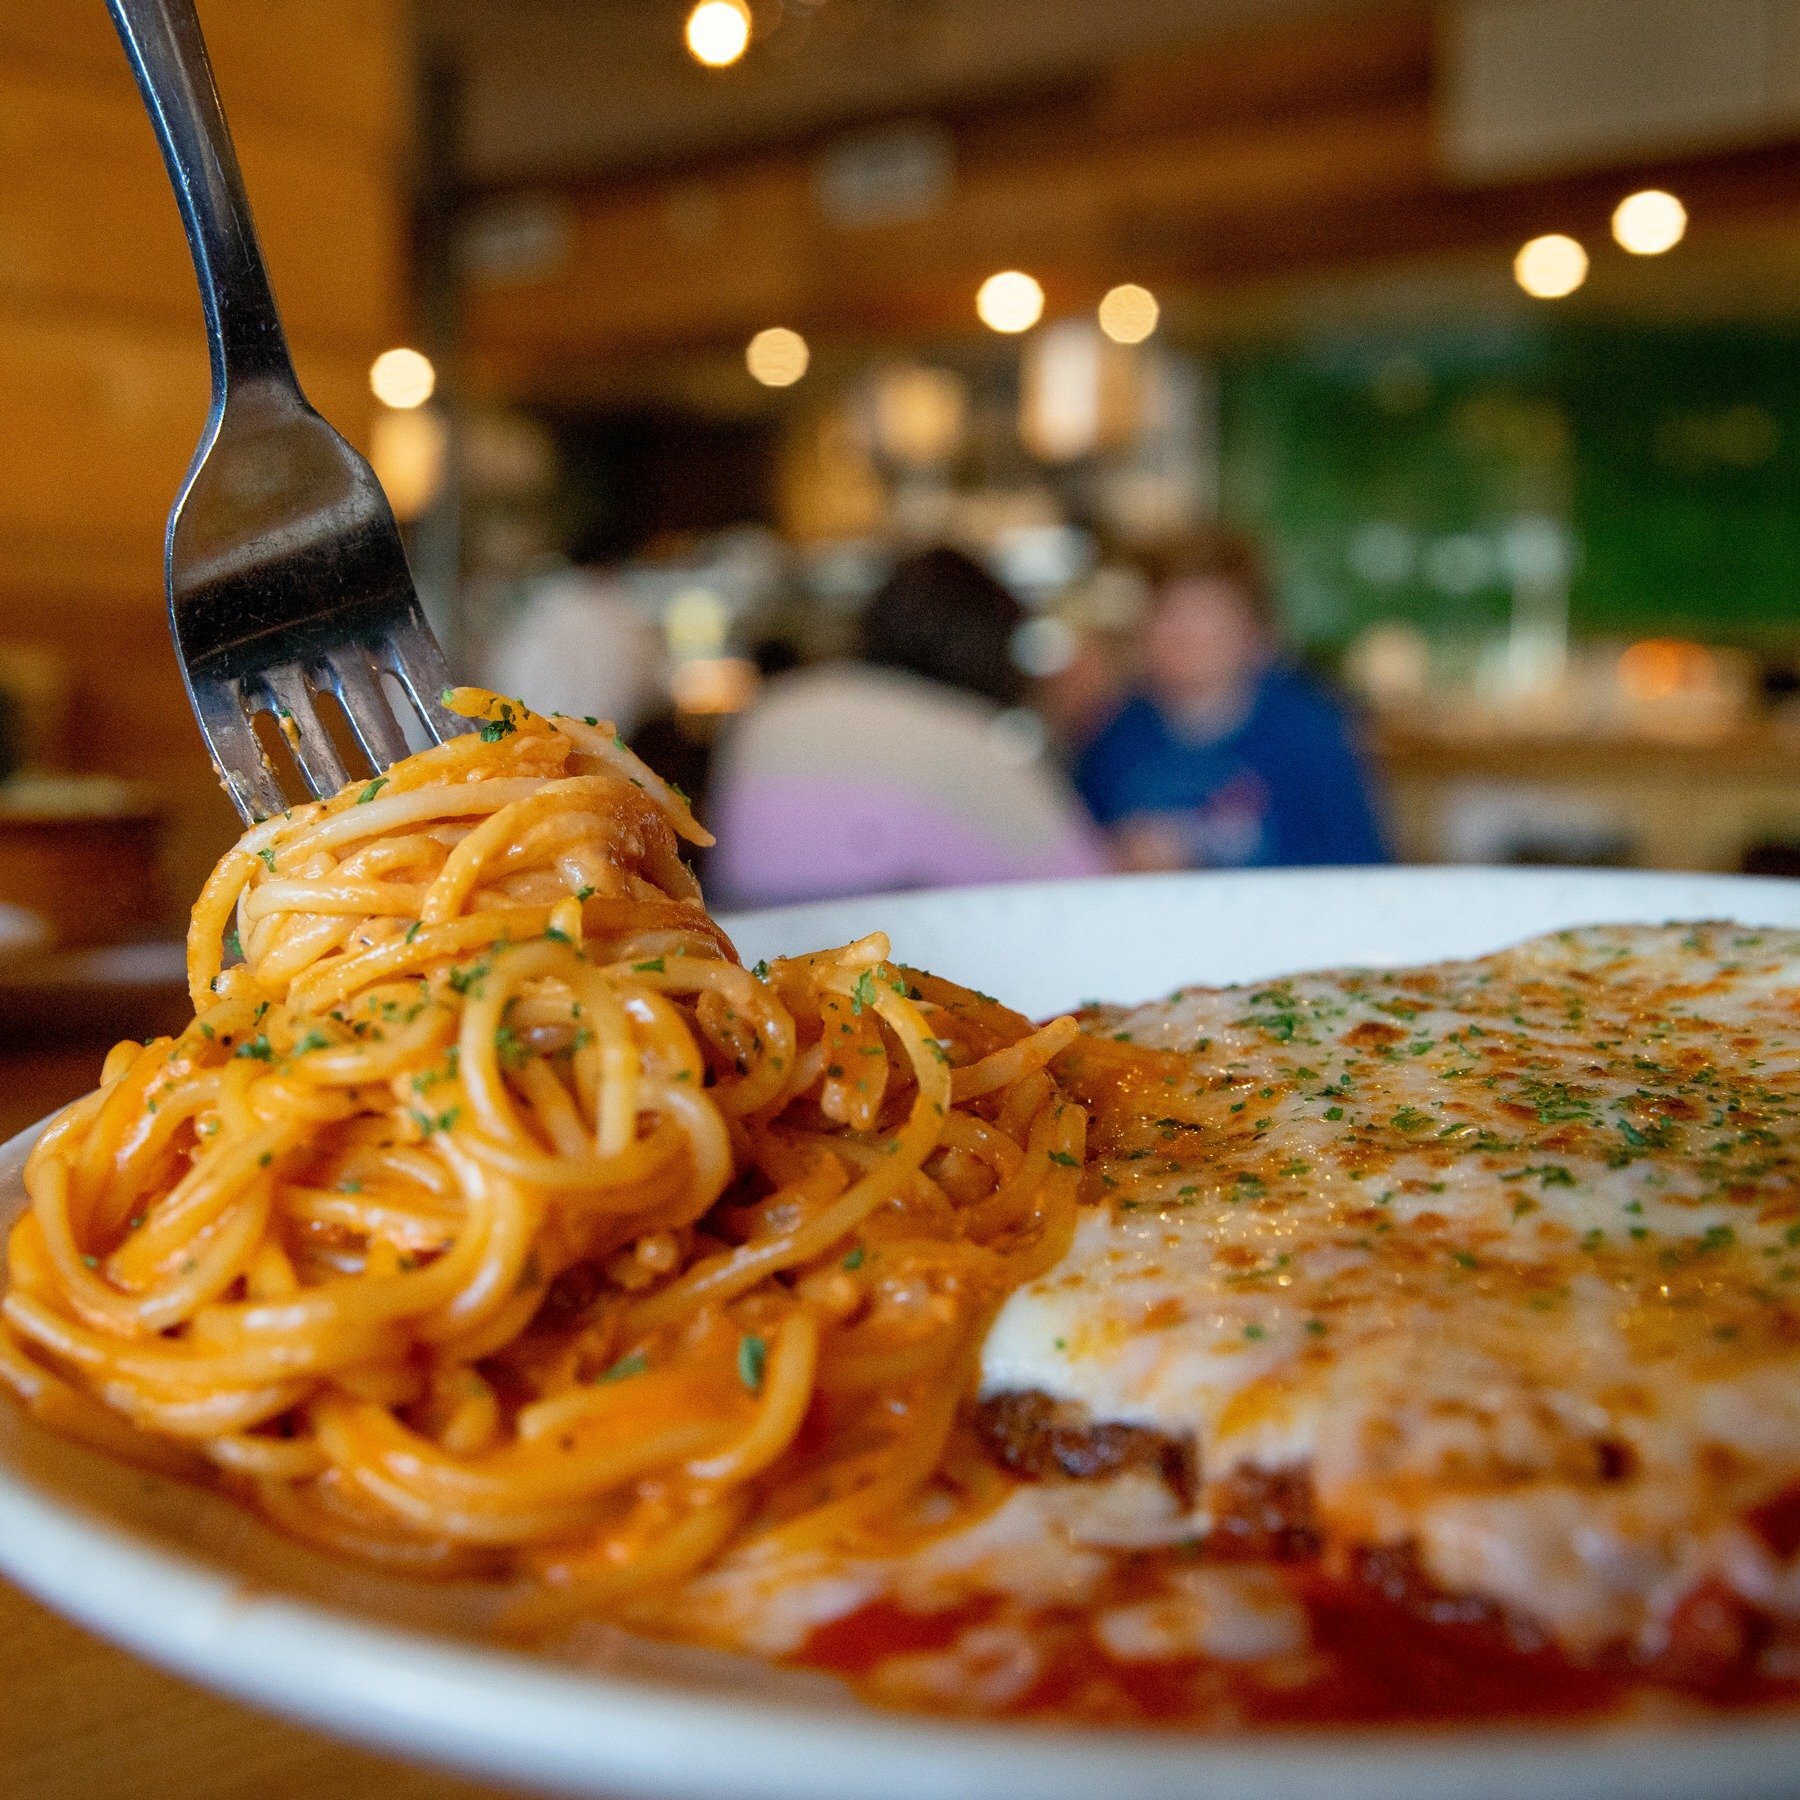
[490, 1216]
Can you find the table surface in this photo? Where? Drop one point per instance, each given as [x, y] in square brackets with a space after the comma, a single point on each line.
[83, 1721]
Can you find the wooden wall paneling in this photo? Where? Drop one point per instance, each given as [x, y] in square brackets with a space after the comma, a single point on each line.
[102, 416]
[96, 228]
[103, 373]
[339, 66]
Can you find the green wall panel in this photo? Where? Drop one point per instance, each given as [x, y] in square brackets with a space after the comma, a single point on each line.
[1414, 477]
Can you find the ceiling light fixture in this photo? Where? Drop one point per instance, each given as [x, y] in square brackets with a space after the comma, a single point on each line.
[402, 378]
[1010, 301]
[1129, 313]
[777, 357]
[718, 32]
[1649, 222]
[1550, 267]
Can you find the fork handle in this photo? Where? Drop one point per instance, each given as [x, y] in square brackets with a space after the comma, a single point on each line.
[174, 74]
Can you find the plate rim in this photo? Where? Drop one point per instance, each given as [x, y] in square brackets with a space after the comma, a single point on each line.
[591, 1732]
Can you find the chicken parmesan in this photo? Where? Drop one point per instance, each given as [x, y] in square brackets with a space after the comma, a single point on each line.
[1429, 1346]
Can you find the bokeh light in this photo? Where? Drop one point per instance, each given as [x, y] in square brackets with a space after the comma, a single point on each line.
[1128, 313]
[714, 684]
[402, 378]
[407, 448]
[718, 32]
[777, 357]
[1010, 301]
[1550, 267]
[1649, 222]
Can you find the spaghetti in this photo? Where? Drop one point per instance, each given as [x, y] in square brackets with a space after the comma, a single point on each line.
[489, 1217]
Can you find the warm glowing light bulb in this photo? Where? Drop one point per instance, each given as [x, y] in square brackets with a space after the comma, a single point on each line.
[1128, 313]
[718, 32]
[1649, 222]
[402, 378]
[777, 357]
[1550, 267]
[1010, 301]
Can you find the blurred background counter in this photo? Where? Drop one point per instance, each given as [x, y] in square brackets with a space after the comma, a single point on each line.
[1732, 803]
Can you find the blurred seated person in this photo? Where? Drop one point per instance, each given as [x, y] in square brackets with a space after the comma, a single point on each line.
[912, 767]
[1227, 755]
[581, 646]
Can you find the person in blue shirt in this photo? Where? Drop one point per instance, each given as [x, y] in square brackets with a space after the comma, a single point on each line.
[1227, 755]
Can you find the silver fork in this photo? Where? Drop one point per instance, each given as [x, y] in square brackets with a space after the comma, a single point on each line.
[285, 571]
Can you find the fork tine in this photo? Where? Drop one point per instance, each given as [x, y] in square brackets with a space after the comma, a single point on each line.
[312, 747]
[358, 682]
[412, 656]
[224, 713]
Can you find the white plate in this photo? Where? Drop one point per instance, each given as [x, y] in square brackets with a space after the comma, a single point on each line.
[195, 1584]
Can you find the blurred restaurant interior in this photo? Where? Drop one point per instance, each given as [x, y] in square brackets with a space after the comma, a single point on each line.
[705, 346]
[672, 329]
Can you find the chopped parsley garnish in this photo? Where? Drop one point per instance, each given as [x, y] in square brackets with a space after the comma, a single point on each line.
[752, 1359]
[468, 981]
[1548, 1174]
[495, 729]
[1065, 1159]
[653, 967]
[258, 1048]
[863, 993]
[371, 790]
[627, 1366]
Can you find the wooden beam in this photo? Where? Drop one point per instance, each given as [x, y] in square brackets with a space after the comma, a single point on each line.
[638, 278]
[1276, 153]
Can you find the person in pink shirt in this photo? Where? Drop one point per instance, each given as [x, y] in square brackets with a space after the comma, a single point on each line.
[916, 766]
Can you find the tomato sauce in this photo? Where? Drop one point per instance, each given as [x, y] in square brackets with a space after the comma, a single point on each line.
[1385, 1650]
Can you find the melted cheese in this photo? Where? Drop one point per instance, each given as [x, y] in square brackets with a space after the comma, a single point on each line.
[1506, 1252]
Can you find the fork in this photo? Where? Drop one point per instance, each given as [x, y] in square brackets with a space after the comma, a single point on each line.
[285, 571]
